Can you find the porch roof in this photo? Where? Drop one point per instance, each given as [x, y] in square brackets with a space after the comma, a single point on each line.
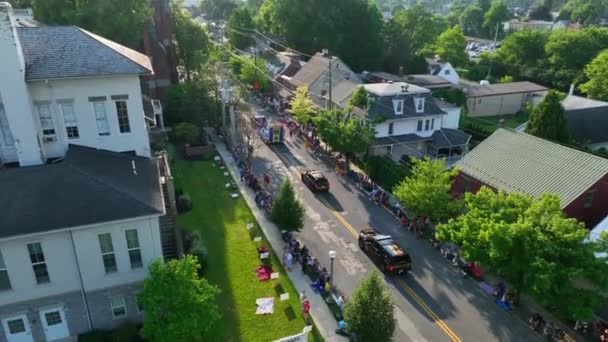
[399, 139]
[447, 137]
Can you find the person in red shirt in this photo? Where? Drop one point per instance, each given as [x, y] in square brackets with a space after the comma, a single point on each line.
[266, 179]
[306, 309]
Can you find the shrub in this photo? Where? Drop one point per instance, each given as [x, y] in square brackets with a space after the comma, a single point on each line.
[194, 245]
[127, 332]
[384, 171]
[184, 203]
[186, 133]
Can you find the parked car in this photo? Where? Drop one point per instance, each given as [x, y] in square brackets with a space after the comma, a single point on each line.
[385, 252]
[315, 180]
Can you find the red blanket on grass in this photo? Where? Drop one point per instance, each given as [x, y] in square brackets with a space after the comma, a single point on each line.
[263, 272]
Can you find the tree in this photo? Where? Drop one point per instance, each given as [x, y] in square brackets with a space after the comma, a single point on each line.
[218, 9]
[359, 98]
[406, 36]
[287, 212]
[253, 71]
[548, 120]
[344, 132]
[192, 102]
[186, 133]
[427, 190]
[597, 73]
[21, 3]
[450, 46]
[371, 299]
[586, 12]
[542, 12]
[191, 40]
[494, 17]
[523, 48]
[179, 305]
[239, 22]
[118, 20]
[533, 246]
[471, 21]
[301, 106]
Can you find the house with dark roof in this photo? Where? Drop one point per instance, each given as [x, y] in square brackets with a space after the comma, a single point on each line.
[501, 98]
[409, 121]
[82, 211]
[315, 75]
[422, 80]
[444, 69]
[521, 163]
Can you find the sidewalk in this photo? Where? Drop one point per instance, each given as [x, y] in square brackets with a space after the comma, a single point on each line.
[321, 316]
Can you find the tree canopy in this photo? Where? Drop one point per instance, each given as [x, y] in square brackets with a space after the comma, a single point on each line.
[118, 20]
[301, 106]
[533, 246]
[359, 98]
[471, 21]
[494, 17]
[218, 9]
[450, 46]
[597, 73]
[351, 29]
[344, 132]
[548, 120]
[371, 300]
[253, 71]
[287, 211]
[239, 22]
[427, 190]
[191, 40]
[179, 305]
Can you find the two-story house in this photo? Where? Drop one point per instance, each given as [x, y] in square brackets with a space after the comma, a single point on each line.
[409, 121]
[80, 197]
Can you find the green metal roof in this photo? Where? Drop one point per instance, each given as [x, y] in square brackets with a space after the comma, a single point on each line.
[519, 162]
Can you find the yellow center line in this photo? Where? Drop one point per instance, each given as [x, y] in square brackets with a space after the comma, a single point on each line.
[440, 323]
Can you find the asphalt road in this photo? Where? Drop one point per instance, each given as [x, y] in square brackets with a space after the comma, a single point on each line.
[433, 302]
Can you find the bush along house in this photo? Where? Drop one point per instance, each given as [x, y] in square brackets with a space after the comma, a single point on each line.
[411, 123]
[519, 162]
[81, 197]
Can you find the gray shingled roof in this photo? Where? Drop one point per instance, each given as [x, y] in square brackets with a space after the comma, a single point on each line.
[519, 162]
[587, 119]
[68, 51]
[311, 71]
[90, 186]
[382, 107]
[447, 137]
[503, 89]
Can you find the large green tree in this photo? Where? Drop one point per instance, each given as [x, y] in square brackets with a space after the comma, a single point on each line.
[301, 106]
[287, 211]
[471, 21]
[533, 246]
[191, 40]
[586, 12]
[253, 71]
[118, 20]
[350, 29]
[218, 9]
[239, 22]
[371, 300]
[450, 46]
[597, 73]
[406, 36]
[179, 306]
[548, 120]
[494, 17]
[344, 132]
[359, 98]
[427, 190]
[192, 102]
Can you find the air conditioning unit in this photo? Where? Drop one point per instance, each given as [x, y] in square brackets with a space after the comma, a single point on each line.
[48, 140]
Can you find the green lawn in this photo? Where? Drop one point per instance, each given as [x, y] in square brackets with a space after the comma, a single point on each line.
[232, 258]
[490, 123]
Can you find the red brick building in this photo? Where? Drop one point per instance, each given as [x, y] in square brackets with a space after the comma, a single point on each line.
[519, 162]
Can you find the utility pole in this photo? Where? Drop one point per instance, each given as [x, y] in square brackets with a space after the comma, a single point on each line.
[492, 60]
[330, 85]
[255, 64]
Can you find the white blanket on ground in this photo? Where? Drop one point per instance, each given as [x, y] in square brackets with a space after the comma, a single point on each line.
[265, 306]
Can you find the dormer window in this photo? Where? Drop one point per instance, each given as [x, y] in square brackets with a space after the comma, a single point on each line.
[398, 106]
[419, 103]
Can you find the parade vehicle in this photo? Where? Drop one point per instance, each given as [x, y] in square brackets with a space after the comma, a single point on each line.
[385, 252]
[315, 180]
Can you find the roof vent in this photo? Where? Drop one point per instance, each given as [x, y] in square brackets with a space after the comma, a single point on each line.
[484, 82]
[325, 52]
[404, 88]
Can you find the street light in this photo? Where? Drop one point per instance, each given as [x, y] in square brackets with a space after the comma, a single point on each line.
[332, 256]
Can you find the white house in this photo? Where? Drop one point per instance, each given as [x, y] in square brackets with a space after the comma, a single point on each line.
[409, 121]
[443, 69]
[81, 197]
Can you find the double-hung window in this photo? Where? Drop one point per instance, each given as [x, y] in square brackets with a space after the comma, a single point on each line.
[427, 124]
[5, 282]
[103, 128]
[69, 118]
[38, 263]
[119, 309]
[107, 252]
[123, 116]
[390, 128]
[46, 121]
[419, 127]
[5, 130]
[133, 248]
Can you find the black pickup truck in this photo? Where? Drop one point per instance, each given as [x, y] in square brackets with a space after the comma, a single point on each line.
[385, 252]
